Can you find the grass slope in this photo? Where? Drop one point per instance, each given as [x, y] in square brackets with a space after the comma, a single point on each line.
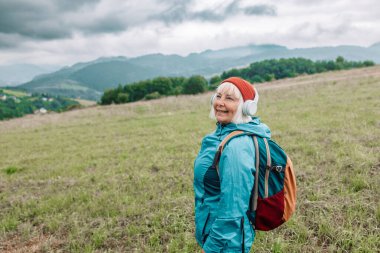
[119, 178]
[15, 93]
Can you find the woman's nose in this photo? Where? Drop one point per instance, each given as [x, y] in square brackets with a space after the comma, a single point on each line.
[219, 101]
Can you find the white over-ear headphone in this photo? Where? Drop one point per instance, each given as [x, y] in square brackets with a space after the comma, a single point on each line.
[249, 106]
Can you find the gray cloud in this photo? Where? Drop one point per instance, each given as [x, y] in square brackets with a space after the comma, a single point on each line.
[316, 32]
[174, 14]
[179, 11]
[106, 25]
[75, 5]
[60, 31]
[8, 41]
[46, 20]
[208, 15]
[21, 17]
[232, 8]
[261, 10]
[57, 19]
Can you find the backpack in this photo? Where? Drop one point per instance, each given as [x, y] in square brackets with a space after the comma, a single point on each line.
[273, 197]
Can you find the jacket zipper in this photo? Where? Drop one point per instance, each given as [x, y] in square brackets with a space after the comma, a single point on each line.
[220, 131]
[204, 228]
[243, 235]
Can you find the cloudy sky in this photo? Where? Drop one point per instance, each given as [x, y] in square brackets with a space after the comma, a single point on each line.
[65, 32]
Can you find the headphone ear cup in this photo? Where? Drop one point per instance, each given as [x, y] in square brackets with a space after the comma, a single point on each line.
[249, 107]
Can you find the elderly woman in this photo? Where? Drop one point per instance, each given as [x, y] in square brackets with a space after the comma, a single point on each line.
[222, 197]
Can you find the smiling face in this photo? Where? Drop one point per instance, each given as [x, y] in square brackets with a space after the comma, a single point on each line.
[226, 104]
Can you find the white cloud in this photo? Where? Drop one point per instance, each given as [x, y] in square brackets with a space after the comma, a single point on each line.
[56, 33]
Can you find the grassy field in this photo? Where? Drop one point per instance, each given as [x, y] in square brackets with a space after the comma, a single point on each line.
[119, 178]
[15, 93]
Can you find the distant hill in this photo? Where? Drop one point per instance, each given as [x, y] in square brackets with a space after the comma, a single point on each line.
[15, 74]
[89, 80]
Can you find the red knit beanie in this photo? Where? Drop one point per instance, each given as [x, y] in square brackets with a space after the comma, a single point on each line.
[245, 88]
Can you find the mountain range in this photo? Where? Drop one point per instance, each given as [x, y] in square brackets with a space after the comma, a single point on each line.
[88, 80]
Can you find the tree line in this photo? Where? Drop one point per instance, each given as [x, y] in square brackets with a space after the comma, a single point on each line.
[155, 88]
[257, 72]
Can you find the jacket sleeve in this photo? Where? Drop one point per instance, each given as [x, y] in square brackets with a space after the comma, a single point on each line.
[236, 169]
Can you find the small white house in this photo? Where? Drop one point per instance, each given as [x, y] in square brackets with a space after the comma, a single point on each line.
[3, 97]
[40, 111]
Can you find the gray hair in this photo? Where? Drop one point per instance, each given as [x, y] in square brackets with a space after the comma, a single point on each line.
[230, 89]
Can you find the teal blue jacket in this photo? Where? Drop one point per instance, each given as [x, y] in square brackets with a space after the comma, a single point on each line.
[221, 201]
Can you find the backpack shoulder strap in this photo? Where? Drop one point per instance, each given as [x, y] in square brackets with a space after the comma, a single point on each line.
[221, 146]
[229, 137]
[255, 195]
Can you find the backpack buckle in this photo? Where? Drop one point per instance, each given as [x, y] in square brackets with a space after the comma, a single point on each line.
[278, 168]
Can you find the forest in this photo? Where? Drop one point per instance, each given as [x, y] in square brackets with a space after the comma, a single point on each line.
[257, 72]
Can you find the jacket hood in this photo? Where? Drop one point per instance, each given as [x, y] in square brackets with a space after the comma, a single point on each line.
[254, 126]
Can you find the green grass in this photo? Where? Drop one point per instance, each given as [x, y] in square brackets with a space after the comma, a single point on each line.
[11, 170]
[15, 93]
[119, 178]
[73, 86]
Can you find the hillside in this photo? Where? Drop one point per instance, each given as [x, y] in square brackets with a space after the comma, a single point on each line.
[15, 103]
[89, 80]
[118, 178]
